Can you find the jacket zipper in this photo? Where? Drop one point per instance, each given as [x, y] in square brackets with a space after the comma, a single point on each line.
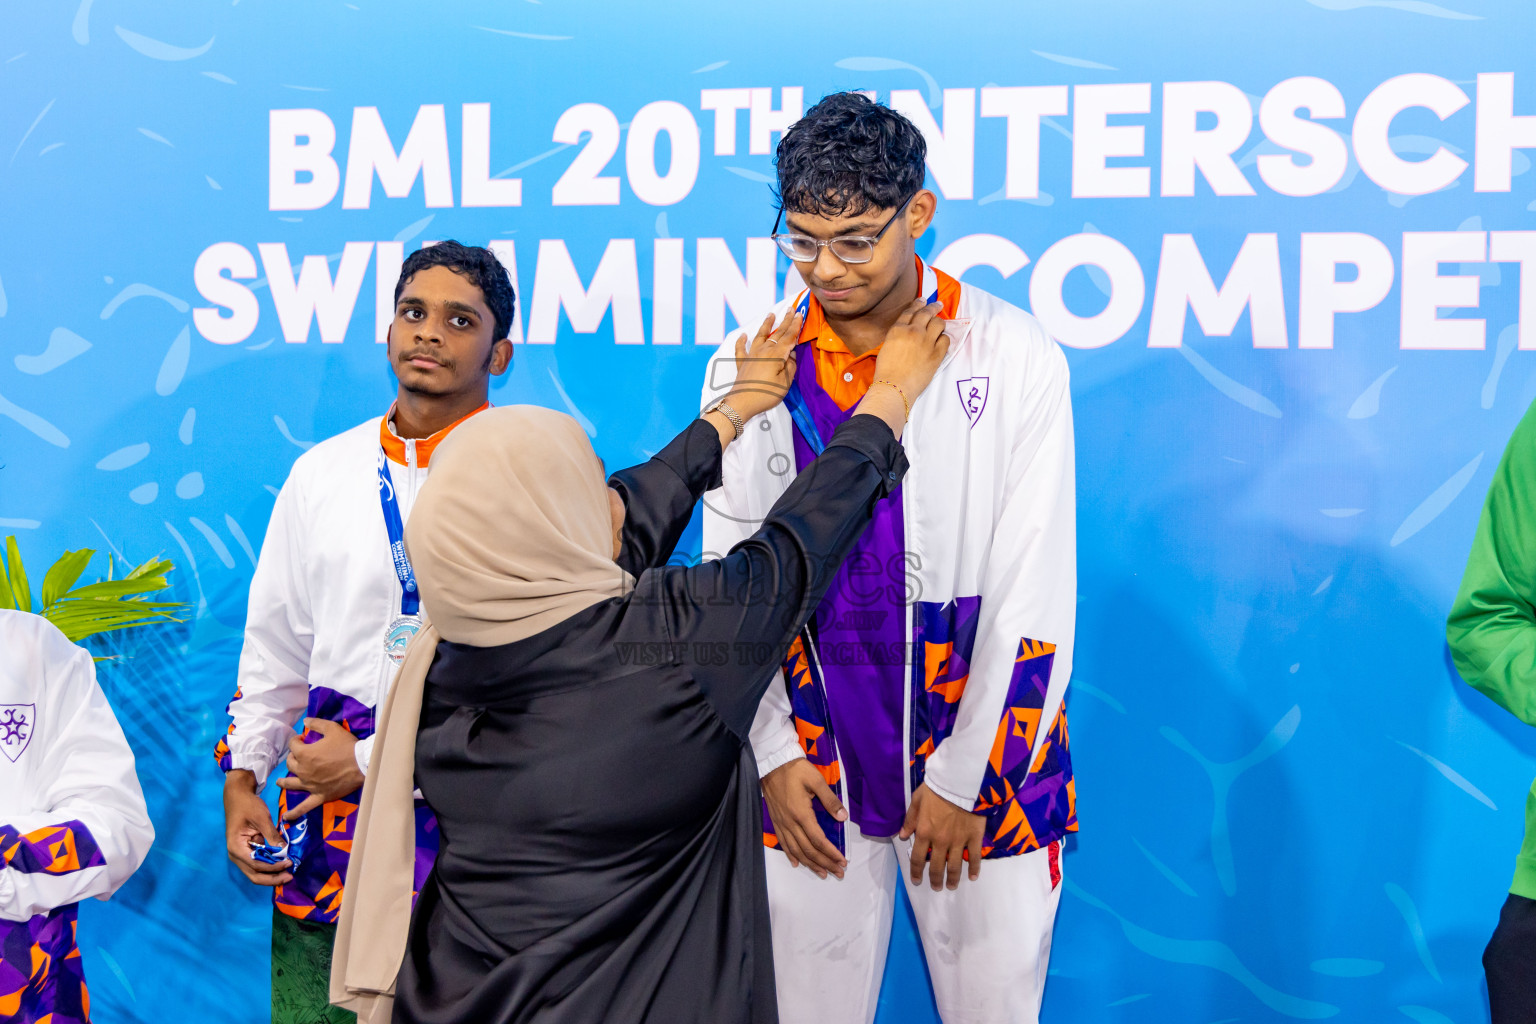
[908, 543]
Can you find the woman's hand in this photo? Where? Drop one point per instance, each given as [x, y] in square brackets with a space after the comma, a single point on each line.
[914, 347]
[764, 371]
[766, 367]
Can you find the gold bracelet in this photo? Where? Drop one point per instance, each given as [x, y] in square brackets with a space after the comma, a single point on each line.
[906, 404]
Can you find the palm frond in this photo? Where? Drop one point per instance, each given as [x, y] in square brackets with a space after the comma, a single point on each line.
[19, 592]
[106, 606]
[116, 589]
[64, 574]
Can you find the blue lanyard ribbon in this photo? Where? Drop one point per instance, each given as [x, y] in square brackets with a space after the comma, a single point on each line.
[410, 599]
[794, 401]
[800, 413]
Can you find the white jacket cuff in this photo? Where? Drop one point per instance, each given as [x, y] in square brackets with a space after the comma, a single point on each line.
[253, 763]
[364, 753]
[937, 790]
[779, 758]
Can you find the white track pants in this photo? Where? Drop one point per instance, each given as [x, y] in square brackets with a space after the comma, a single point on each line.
[987, 943]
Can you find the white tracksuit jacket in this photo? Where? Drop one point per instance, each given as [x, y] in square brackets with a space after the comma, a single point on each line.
[323, 595]
[989, 512]
[72, 818]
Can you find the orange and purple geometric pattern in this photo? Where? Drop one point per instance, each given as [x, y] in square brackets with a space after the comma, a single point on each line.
[808, 701]
[1028, 804]
[944, 638]
[41, 981]
[221, 752]
[40, 975]
[51, 850]
[315, 892]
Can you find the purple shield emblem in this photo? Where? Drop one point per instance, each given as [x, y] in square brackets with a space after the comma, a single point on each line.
[16, 721]
[973, 397]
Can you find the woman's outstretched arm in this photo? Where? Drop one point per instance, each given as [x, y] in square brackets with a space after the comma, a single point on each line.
[733, 619]
[659, 495]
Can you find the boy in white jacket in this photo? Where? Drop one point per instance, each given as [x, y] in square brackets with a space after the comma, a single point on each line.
[72, 817]
[920, 719]
[333, 604]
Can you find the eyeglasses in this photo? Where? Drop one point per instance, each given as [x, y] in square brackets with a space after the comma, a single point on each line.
[848, 248]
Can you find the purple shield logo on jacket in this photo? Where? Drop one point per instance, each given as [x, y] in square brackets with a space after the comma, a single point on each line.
[16, 723]
[973, 397]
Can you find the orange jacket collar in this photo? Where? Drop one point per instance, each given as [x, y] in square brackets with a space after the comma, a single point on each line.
[394, 445]
[930, 279]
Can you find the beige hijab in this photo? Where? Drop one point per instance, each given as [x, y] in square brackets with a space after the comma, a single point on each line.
[510, 535]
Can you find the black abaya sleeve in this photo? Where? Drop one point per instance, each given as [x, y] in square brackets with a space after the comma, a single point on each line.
[732, 620]
[659, 496]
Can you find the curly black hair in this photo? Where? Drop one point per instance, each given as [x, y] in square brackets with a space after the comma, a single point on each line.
[848, 154]
[479, 265]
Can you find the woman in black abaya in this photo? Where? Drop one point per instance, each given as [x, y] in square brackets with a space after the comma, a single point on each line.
[583, 716]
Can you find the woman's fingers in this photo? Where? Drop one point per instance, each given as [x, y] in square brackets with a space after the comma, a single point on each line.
[762, 332]
[785, 335]
[934, 328]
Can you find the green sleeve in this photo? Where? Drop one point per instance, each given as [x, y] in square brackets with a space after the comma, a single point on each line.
[1492, 626]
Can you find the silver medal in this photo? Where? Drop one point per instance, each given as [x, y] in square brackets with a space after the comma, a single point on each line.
[398, 637]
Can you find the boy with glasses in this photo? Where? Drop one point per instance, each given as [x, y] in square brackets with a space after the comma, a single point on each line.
[920, 719]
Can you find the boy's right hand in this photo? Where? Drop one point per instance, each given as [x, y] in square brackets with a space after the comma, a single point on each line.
[247, 820]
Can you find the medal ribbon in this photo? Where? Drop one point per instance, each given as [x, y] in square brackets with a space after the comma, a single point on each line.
[410, 599]
[795, 402]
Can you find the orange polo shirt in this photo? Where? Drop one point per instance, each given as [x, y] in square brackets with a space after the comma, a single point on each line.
[844, 376]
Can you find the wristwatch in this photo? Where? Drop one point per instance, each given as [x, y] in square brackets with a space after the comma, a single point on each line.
[725, 409]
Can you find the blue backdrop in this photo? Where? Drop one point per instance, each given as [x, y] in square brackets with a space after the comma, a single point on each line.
[1291, 807]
